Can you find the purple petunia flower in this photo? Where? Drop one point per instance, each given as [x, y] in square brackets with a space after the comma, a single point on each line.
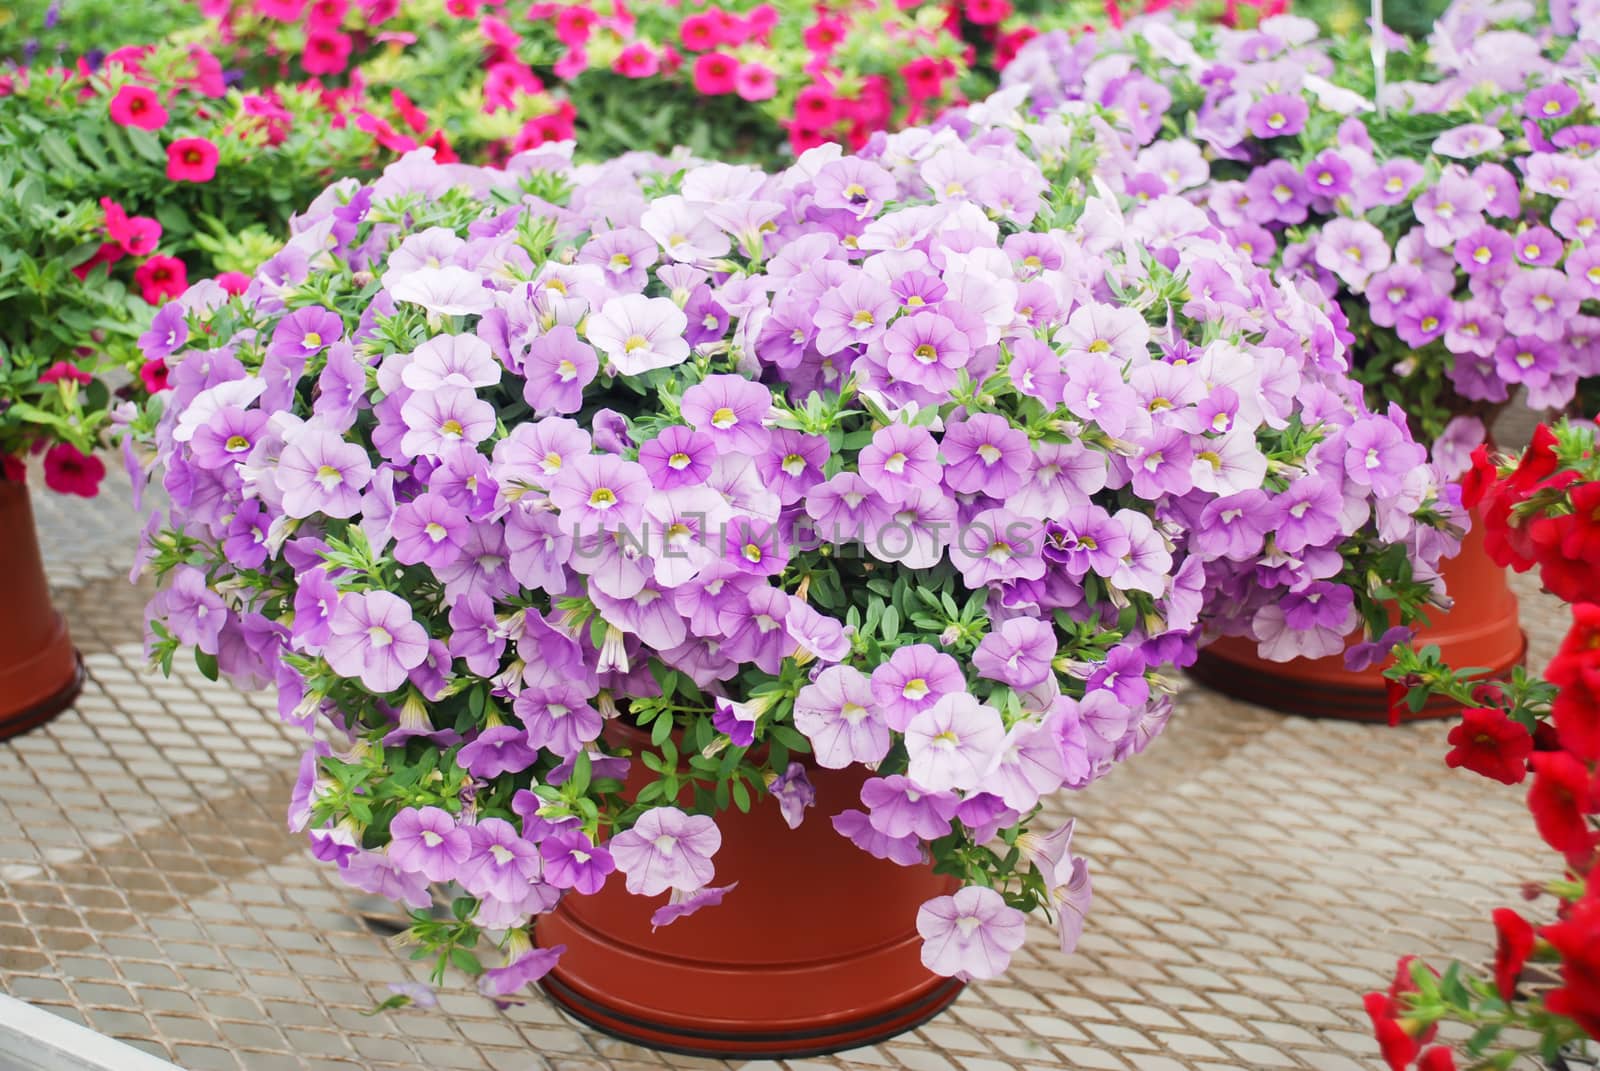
[305, 332]
[794, 792]
[428, 841]
[573, 861]
[678, 457]
[1277, 115]
[501, 863]
[558, 717]
[528, 968]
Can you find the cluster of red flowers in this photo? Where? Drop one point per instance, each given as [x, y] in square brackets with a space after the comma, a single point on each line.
[1544, 511]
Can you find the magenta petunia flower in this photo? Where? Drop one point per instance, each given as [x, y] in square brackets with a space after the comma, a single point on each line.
[971, 934]
[839, 715]
[666, 849]
[1277, 115]
[953, 743]
[429, 842]
[373, 638]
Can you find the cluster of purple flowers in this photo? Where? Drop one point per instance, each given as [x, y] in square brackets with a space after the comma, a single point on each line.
[484, 459]
[1468, 264]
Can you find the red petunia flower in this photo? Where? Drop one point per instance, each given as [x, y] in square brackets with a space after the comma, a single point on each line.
[1491, 744]
[716, 73]
[1437, 1058]
[1513, 945]
[138, 106]
[327, 51]
[154, 374]
[161, 278]
[1477, 479]
[1398, 1047]
[191, 160]
[69, 471]
[1559, 799]
[65, 370]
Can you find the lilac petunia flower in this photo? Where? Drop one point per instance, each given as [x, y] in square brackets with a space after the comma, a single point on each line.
[666, 849]
[953, 743]
[501, 863]
[681, 905]
[912, 681]
[857, 828]
[318, 472]
[899, 808]
[1277, 115]
[838, 714]
[638, 333]
[1017, 654]
[533, 965]
[373, 638]
[1465, 142]
[971, 934]
[729, 410]
[558, 717]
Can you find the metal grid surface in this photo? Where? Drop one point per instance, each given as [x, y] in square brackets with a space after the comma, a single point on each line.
[1254, 874]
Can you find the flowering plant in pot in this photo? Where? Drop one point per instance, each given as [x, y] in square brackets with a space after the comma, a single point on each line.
[1535, 509]
[1446, 294]
[595, 508]
[1452, 229]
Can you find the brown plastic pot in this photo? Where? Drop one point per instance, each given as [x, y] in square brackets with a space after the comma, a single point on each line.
[1481, 629]
[815, 951]
[40, 673]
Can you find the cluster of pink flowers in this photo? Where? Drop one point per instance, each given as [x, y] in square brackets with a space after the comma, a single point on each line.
[868, 460]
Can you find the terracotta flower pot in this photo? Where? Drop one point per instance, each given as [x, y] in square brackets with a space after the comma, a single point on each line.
[1481, 629]
[40, 673]
[815, 951]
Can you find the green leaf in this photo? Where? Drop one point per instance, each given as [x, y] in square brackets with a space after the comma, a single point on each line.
[207, 664]
[661, 731]
[741, 796]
